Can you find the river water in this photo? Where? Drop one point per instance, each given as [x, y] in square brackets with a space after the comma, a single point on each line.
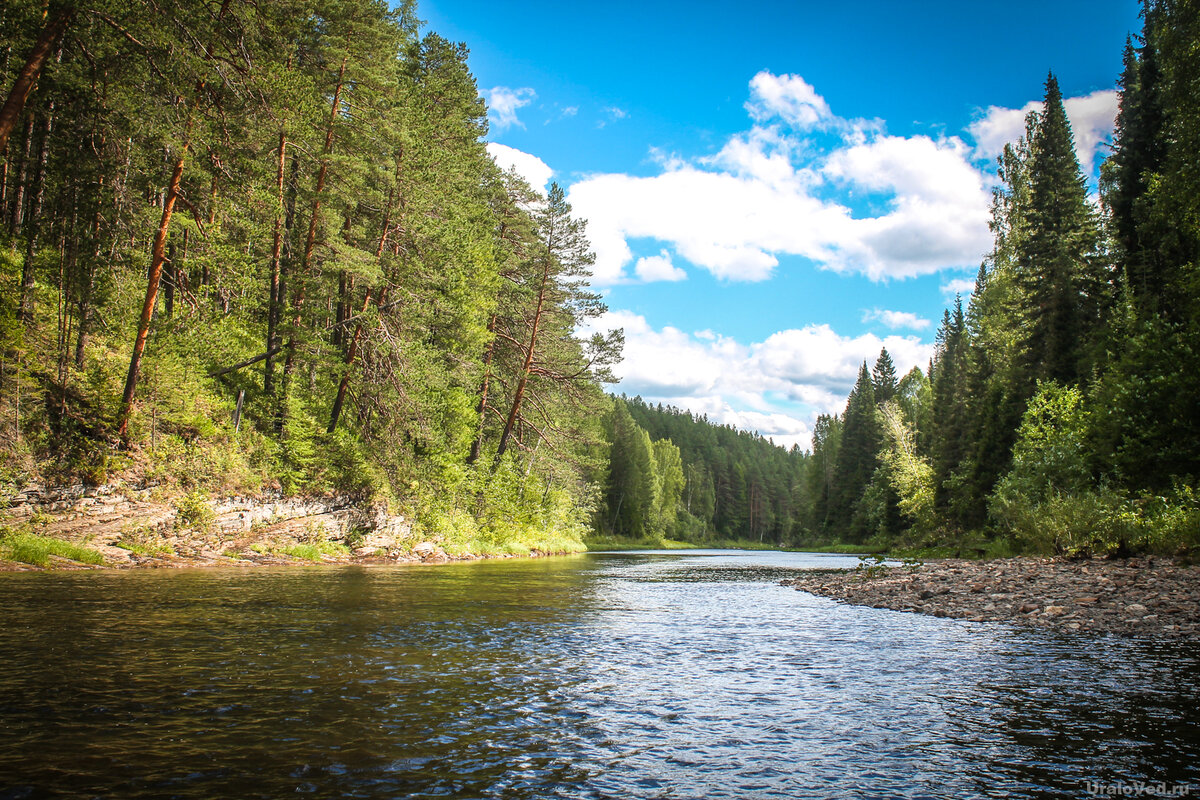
[624, 675]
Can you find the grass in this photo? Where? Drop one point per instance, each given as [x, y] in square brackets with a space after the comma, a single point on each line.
[620, 543]
[542, 542]
[30, 548]
[144, 542]
[305, 552]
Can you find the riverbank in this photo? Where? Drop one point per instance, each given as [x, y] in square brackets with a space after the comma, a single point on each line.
[126, 526]
[1135, 597]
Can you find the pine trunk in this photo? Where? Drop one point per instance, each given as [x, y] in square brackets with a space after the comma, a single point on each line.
[157, 256]
[27, 78]
[289, 363]
[526, 367]
[276, 252]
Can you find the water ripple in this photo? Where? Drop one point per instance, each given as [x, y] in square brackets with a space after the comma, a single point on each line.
[608, 676]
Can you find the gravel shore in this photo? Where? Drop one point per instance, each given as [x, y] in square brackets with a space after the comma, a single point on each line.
[1136, 597]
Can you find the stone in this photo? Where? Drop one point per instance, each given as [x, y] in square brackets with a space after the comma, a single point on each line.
[1028, 608]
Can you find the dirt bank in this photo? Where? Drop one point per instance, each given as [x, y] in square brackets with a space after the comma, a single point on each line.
[1136, 597]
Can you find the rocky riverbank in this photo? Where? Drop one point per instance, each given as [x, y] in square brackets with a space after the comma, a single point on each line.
[1136, 597]
[137, 526]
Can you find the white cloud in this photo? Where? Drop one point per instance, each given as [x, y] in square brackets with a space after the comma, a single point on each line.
[770, 193]
[503, 103]
[777, 386]
[963, 286]
[1091, 116]
[616, 113]
[788, 97]
[897, 319]
[658, 268]
[535, 171]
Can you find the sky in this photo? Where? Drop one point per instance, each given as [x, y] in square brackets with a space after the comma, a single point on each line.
[776, 190]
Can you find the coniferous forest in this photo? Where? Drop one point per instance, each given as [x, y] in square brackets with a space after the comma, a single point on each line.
[250, 246]
[255, 245]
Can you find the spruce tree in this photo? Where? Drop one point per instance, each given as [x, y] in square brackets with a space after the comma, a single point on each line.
[1138, 153]
[883, 377]
[858, 455]
[1057, 262]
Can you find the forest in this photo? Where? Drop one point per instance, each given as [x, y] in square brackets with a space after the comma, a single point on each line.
[262, 246]
[1061, 411]
[249, 247]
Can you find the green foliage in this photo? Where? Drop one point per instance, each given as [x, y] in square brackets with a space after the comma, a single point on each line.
[194, 512]
[316, 552]
[144, 542]
[857, 462]
[872, 565]
[32, 548]
[909, 473]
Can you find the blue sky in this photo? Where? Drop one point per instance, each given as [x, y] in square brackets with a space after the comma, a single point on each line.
[776, 190]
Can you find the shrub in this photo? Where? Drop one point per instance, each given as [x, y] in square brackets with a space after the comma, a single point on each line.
[192, 511]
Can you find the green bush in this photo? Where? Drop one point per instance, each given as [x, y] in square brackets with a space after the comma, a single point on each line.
[193, 512]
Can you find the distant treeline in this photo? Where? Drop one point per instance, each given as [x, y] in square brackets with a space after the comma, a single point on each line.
[676, 475]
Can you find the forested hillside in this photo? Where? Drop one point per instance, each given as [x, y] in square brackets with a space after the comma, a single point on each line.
[247, 245]
[675, 475]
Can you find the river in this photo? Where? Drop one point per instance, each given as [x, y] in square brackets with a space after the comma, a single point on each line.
[625, 675]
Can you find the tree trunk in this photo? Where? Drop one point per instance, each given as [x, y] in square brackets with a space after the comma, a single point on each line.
[289, 362]
[27, 78]
[88, 279]
[169, 274]
[25, 304]
[526, 368]
[477, 444]
[352, 350]
[351, 354]
[157, 256]
[276, 251]
[17, 205]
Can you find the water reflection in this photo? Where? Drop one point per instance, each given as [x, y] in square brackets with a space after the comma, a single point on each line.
[611, 675]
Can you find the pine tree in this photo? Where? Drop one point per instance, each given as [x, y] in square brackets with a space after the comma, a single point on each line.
[948, 440]
[883, 377]
[1057, 263]
[1138, 153]
[858, 455]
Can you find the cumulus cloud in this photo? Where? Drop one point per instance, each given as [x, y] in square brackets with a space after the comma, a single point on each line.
[789, 97]
[504, 102]
[658, 268]
[535, 171]
[1091, 116]
[772, 191]
[776, 386]
[897, 319]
